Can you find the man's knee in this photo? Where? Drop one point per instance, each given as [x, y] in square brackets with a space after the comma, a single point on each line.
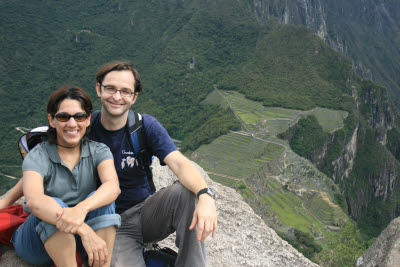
[182, 194]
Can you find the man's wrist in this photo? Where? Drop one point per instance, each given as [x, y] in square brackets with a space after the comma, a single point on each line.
[206, 191]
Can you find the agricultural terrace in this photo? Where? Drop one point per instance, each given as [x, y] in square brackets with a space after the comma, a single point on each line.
[271, 121]
[241, 159]
[236, 155]
[310, 212]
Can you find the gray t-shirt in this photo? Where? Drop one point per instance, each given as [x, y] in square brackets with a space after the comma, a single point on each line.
[58, 180]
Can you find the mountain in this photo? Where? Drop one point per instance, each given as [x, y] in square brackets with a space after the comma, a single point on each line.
[367, 31]
[262, 94]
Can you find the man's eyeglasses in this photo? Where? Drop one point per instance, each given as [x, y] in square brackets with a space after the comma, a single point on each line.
[112, 90]
[78, 117]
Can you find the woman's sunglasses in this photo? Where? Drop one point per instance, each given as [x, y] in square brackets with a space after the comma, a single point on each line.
[78, 117]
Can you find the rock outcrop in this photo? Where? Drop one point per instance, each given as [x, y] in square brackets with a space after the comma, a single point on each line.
[385, 251]
[243, 239]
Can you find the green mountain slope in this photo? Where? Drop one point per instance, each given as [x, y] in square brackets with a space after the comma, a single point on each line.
[186, 49]
[368, 31]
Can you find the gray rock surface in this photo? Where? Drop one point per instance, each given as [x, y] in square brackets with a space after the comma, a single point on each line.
[243, 239]
[385, 251]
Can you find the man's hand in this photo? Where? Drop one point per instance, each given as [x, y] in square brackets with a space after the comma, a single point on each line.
[70, 219]
[205, 216]
[95, 246]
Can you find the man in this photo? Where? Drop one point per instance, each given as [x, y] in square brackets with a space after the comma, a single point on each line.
[145, 217]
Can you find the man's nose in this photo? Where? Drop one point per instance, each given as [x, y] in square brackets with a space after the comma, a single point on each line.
[117, 95]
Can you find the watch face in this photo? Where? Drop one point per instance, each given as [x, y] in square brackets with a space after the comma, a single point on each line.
[211, 192]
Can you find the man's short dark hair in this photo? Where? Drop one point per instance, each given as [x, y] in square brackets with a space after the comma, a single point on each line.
[118, 66]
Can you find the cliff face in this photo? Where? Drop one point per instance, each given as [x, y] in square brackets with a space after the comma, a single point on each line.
[376, 169]
[362, 157]
[242, 239]
[368, 31]
[385, 251]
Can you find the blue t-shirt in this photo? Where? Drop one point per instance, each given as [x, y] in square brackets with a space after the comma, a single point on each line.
[132, 180]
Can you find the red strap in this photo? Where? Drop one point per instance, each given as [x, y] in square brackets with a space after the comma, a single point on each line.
[10, 219]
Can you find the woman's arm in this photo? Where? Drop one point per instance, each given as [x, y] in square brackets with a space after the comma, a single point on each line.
[13, 195]
[109, 189]
[44, 207]
[72, 218]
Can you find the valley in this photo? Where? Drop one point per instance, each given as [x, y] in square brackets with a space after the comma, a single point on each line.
[287, 190]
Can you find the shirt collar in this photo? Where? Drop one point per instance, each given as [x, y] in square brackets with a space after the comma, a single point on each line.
[53, 154]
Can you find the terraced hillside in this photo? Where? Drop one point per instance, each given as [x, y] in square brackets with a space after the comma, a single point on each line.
[287, 190]
[271, 121]
[237, 154]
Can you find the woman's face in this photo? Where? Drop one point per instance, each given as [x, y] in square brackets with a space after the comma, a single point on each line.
[69, 133]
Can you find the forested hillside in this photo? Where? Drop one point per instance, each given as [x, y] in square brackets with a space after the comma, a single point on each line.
[196, 58]
[367, 31]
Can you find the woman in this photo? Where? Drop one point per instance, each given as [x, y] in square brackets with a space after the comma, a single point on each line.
[60, 183]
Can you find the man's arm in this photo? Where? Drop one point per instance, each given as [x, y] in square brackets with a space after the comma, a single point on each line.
[205, 214]
[14, 194]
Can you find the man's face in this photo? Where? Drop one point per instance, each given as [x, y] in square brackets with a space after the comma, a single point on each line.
[115, 104]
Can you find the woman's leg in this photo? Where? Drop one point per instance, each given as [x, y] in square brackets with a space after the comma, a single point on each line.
[30, 237]
[28, 244]
[108, 235]
[61, 247]
[104, 222]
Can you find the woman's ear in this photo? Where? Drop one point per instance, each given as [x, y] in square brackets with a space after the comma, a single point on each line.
[88, 120]
[51, 120]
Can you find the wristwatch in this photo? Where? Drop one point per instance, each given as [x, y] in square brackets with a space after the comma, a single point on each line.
[208, 190]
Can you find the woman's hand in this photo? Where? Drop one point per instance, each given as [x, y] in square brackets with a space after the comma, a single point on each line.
[70, 219]
[95, 246]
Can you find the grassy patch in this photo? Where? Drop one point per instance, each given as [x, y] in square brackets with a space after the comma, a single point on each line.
[330, 119]
[223, 180]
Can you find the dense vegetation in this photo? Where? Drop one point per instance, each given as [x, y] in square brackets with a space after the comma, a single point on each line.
[303, 242]
[307, 137]
[344, 248]
[184, 50]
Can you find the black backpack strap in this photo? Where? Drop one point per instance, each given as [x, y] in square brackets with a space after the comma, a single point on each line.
[142, 153]
[94, 116]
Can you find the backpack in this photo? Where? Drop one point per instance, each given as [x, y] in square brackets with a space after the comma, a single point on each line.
[134, 128]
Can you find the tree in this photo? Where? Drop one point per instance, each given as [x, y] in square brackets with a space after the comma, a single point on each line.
[344, 248]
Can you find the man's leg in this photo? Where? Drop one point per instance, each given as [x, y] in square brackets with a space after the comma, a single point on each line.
[128, 248]
[171, 209]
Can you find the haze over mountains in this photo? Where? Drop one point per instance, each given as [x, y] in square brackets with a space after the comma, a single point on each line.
[232, 80]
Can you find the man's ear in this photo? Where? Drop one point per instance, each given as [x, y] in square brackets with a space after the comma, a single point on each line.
[51, 122]
[135, 96]
[98, 89]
